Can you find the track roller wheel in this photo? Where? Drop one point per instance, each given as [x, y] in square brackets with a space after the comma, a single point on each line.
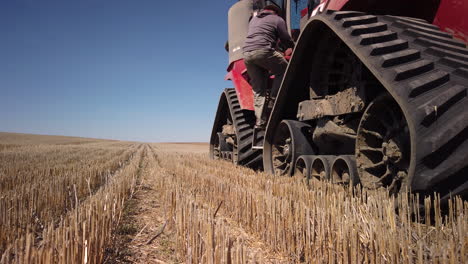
[343, 170]
[291, 140]
[216, 150]
[303, 166]
[220, 146]
[383, 146]
[321, 167]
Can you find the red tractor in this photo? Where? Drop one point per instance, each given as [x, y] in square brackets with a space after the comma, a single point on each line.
[375, 94]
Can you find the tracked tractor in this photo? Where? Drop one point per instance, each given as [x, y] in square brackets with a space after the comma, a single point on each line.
[375, 94]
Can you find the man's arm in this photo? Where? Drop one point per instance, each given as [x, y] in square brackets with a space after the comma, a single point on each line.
[283, 34]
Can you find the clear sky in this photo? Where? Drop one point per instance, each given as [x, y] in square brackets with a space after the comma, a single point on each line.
[144, 70]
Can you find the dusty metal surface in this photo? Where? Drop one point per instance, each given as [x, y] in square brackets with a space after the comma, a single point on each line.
[229, 130]
[345, 102]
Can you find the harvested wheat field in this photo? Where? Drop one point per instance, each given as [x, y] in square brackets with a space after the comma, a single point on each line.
[75, 200]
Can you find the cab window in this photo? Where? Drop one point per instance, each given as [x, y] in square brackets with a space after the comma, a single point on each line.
[278, 2]
[295, 12]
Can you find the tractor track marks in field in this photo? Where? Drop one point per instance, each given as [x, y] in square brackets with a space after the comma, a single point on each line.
[187, 221]
[43, 184]
[188, 170]
[100, 182]
[143, 217]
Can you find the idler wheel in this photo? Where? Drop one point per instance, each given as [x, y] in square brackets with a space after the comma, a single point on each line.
[291, 140]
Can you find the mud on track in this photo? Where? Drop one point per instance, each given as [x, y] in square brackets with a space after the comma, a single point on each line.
[203, 211]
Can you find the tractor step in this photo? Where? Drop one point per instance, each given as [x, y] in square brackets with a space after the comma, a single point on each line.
[257, 138]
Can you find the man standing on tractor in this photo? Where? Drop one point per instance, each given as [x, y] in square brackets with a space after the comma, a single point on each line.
[261, 58]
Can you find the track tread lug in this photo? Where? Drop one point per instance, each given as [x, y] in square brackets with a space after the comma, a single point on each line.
[433, 43]
[417, 28]
[339, 15]
[359, 20]
[367, 29]
[439, 105]
[446, 53]
[445, 40]
[461, 72]
[413, 69]
[379, 37]
[400, 57]
[429, 82]
[444, 139]
[421, 23]
[388, 47]
[454, 63]
[445, 165]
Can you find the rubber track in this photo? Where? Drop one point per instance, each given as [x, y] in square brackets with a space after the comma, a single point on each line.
[426, 71]
[243, 122]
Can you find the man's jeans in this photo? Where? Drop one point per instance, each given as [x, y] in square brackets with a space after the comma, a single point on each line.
[259, 64]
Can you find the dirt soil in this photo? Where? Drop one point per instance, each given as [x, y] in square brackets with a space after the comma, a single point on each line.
[143, 219]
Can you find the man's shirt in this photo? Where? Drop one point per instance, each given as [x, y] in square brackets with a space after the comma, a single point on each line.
[264, 31]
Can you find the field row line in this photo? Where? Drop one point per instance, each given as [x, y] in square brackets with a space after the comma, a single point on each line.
[83, 233]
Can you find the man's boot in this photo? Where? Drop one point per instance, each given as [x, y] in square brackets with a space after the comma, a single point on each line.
[258, 133]
[271, 103]
[260, 124]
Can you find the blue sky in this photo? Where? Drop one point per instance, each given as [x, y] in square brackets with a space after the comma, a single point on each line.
[144, 70]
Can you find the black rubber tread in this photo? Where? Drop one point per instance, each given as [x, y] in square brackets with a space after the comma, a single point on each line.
[412, 69]
[367, 29]
[454, 63]
[425, 70]
[244, 121]
[441, 104]
[432, 80]
[379, 37]
[245, 135]
[346, 14]
[413, 21]
[388, 47]
[442, 39]
[243, 128]
[418, 28]
[429, 43]
[359, 20]
[395, 58]
[461, 72]
[443, 134]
